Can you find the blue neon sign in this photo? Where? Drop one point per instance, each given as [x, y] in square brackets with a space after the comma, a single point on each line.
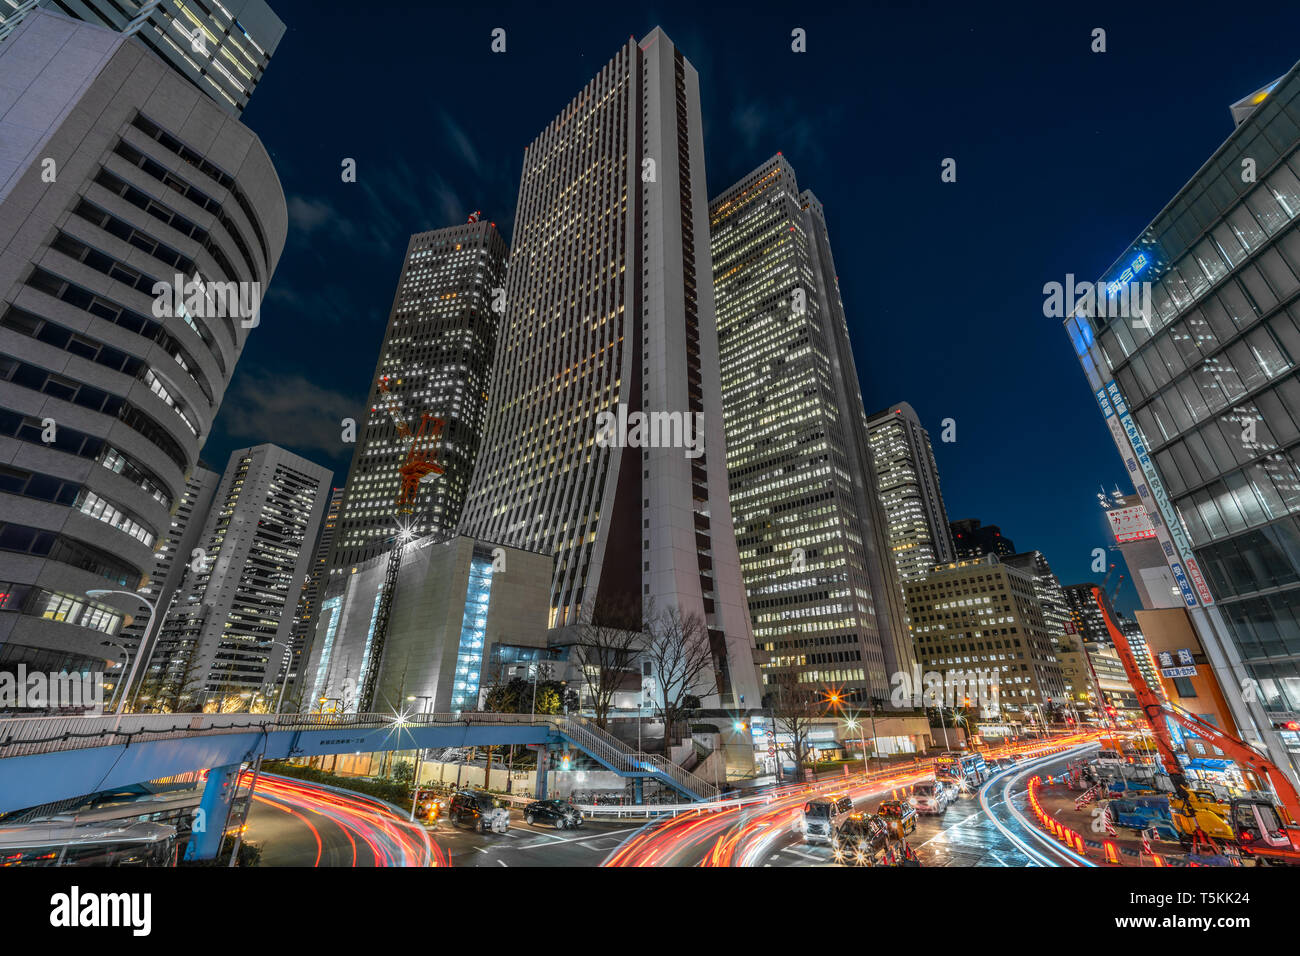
[1136, 266]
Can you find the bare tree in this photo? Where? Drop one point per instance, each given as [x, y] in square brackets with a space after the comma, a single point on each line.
[606, 654]
[794, 709]
[682, 658]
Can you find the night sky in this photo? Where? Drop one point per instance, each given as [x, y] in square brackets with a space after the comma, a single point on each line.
[1063, 157]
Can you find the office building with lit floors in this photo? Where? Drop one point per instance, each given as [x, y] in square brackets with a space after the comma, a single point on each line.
[116, 174]
[907, 481]
[604, 441]
[313, 585]
[972, 540]
[223, 47]
[436, 358]
[981, 614]
[227, 635]
[1201, 393]
[824, 599]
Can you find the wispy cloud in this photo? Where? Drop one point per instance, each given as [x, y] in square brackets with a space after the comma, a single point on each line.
[289, 409]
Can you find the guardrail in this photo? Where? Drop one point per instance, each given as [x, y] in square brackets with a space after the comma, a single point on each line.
[22, 736]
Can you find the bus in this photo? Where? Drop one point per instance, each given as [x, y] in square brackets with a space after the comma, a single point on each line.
[62, 844]
[964, 769]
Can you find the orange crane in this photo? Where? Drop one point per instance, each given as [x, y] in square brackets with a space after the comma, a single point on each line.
[1253, 822]
[421, 457]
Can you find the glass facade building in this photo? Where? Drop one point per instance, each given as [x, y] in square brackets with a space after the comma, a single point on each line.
[1202, 397]
[824, 598]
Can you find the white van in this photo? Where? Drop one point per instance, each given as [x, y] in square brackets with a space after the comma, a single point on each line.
[823, 815]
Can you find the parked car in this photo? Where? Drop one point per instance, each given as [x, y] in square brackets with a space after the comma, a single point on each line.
[929, 797]
[898, 816]
[562, 816]
[478, 811]
[861, 840]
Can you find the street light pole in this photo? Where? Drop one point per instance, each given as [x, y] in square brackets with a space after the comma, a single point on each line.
[419, 754]
[117, 684]
[144, 640]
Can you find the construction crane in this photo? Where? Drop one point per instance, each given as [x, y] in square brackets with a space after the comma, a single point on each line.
[1251, 822]
[421, 464]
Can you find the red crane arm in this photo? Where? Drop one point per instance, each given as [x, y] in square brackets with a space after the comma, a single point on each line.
[1155, 710]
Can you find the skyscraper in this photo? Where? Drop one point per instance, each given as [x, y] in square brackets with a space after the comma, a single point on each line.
[609, 309]
[907, 481]
[436, 357]
[823, 594]
[1201, 393]
[972, 540]
[1047, 588]
[258, 549]
[116, 175]
[221, 47]
[176, 548]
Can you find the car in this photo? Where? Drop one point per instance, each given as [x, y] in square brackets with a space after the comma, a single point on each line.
[898, 816]
[929, 797]
[951, 791]
[821, 815]
[556, 813]
[861, 840]
[479, 811]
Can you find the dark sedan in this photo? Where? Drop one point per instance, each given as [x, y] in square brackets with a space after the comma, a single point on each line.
[554, 813]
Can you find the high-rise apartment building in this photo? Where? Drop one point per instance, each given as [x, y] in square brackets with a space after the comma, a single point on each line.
[116, 174]
[609, 309]
[436, 358]
[972, 540]
[1087, 618]
[983, 614]
[824, 600]
[221, 47]
[230, 625]
[177, 547]
[907, 481]
[1201, 392]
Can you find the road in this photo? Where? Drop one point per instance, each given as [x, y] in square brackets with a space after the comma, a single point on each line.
[301, 824]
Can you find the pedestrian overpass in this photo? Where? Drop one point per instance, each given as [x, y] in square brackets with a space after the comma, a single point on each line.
[46, 759]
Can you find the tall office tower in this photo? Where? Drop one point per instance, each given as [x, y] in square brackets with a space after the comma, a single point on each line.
[1048, 590]
[609, 308]
[436, 357]
[304, 618]
[981, 613]
[972, 540]
[1088, 621]
[1201, 392]
[824, 600]
[176, 549]
[257, 545]
[907, 481]
[222, 48]
[115, 174]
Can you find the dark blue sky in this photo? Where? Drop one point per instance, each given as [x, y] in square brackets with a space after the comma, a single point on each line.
[1063, 156]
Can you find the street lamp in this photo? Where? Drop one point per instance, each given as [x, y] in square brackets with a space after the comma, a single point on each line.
[854, 724]
[144, 641]
[419, 754]
[117, 684]
[288, 656]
